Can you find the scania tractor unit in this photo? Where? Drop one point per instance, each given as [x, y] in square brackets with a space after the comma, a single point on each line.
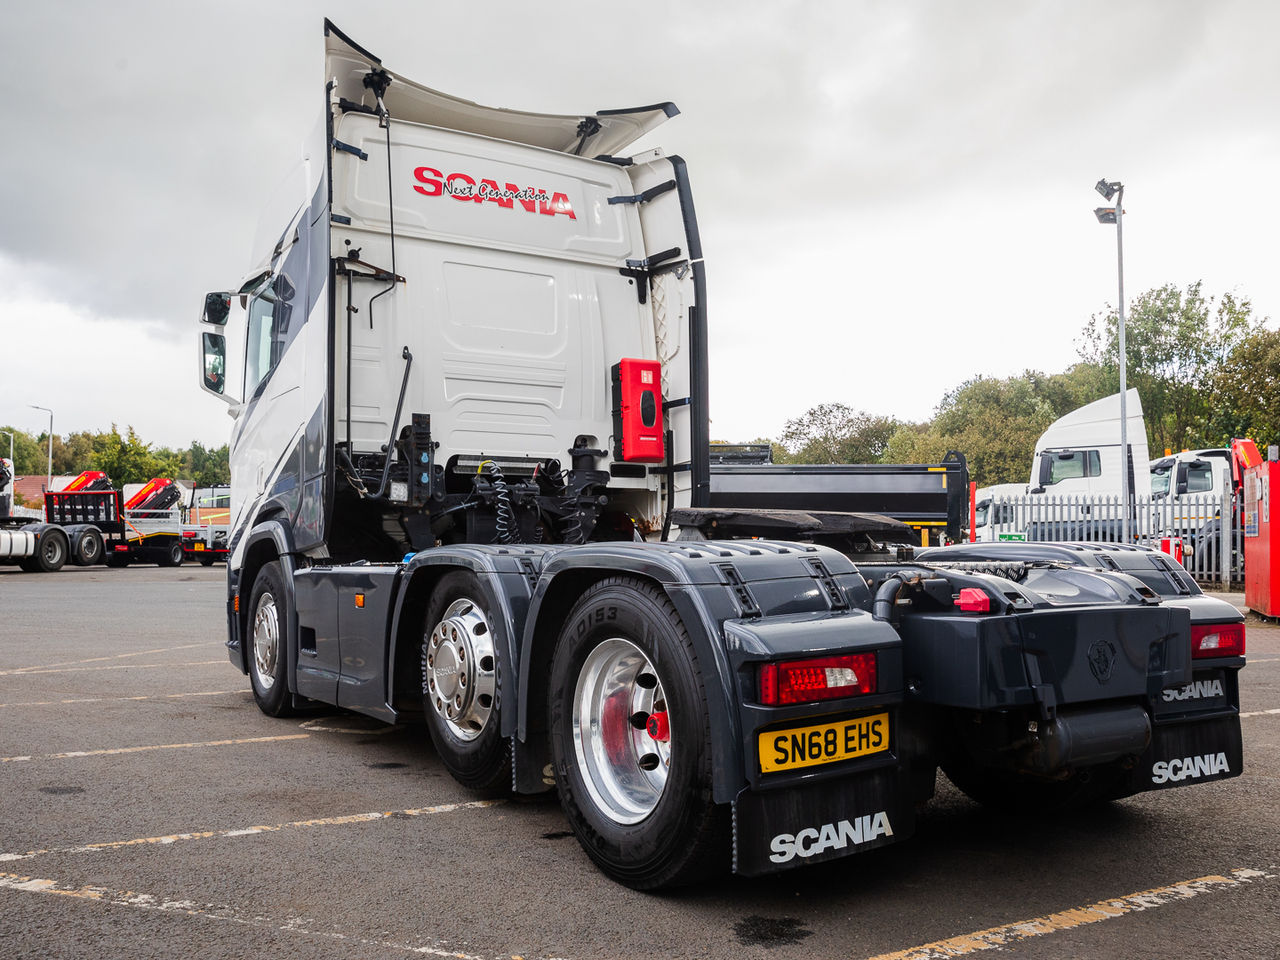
[470, 489]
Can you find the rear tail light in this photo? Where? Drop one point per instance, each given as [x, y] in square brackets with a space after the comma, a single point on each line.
[1217, 640]
[188, 534]
[819, 678]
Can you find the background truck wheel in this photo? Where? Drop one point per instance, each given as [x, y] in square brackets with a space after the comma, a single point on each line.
[462, 685]
[50, 555]
[87, 548]
[207, 561]
[631, 741]
[1025, 795]
[266, 637]
[172, 554]
[117, 560]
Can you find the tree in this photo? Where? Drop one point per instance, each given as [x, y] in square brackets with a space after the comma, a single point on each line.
[1175, 344]
[836, 433]
[916, 443]
[1245, 396]
[995, 424]
[206, 467]
[29, 456]
[127, 459]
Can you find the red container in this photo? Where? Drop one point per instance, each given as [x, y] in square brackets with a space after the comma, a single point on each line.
[1261, 541]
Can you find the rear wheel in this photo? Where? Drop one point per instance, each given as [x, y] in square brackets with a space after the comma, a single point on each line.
[172, 554]
[117, 559]
[631, 741]
[1026, 795]
[461, 684]
[88, 548]
[51, 553]
[266, 637]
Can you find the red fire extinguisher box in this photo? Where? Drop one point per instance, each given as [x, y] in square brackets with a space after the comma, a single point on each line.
[637, 411]
[1261, 541]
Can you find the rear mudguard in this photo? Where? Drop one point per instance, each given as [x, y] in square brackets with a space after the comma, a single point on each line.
[741, 602]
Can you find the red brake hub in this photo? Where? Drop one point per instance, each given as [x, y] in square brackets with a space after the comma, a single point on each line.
[658, 727]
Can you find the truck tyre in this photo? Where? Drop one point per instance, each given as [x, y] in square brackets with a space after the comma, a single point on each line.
[267, 647]
[117, 559]
[631, 739]
[206, 561]
[171, 555]
[1023, 795]
[51, 553]
[87, 549]
[462, 685]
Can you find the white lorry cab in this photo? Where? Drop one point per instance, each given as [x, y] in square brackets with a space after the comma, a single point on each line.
[1080, 455]
[994, 517]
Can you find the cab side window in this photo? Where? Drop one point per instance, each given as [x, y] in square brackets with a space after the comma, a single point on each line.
[1074, 464]
[264, 342]
[1199, 478]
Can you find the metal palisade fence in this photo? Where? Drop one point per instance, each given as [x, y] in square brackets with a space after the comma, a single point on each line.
[1203, 531]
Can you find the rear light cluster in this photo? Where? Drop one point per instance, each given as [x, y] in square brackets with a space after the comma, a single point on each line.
[1217, 640]
[819, 678]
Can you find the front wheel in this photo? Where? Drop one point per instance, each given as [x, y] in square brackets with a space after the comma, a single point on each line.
[461, 684]
[631, 741]
[266, 637]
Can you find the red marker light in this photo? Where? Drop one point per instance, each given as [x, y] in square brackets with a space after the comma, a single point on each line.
[819, 678]
[973, 600]
[1217, 640]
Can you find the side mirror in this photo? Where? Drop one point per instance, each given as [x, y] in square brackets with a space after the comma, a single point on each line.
[1182, 486]
[217, 307]
[215, 362]
[1037, 490]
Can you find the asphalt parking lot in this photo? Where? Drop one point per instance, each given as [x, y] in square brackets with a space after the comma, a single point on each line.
[148, 809]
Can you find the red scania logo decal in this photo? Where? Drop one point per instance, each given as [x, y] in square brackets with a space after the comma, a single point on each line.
[461, 186]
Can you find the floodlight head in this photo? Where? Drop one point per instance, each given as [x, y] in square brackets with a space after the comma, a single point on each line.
[1107, 189]
[1105, 214]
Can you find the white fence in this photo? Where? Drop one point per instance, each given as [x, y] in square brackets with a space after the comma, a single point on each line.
[1206, 527]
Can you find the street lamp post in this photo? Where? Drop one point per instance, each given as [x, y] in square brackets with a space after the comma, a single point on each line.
[10, 444]
[1110, 189]
[49, 477]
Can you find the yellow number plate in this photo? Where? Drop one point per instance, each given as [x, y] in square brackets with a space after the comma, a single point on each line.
[199, 547]
[825, 743]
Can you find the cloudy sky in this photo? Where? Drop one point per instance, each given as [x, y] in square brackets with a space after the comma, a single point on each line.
[894, 196]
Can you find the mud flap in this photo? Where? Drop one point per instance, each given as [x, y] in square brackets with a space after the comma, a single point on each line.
[779, 829]
[1188, 752]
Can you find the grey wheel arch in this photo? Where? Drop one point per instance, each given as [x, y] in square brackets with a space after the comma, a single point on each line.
[268, 541]
[506, 592]
[570, 574]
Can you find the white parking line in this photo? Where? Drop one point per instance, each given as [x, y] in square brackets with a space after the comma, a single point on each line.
[1260, 713]
[75, 754]
[33, 671]
[159, 696]
[210, 911]
[997, 938]
[172, 838]
[118, 656]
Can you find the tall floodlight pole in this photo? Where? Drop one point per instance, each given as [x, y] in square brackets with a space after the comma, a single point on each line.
[1115, 215]
[10, 443]
[48, 482]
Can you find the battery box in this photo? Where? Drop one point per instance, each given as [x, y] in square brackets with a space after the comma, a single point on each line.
[637, 411]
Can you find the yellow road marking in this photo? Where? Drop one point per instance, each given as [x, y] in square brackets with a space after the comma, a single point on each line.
[212, 911]
[252, 831]
[162, 696]
[74, 754]
[998, 937]
[32, 671]
[118, 656]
